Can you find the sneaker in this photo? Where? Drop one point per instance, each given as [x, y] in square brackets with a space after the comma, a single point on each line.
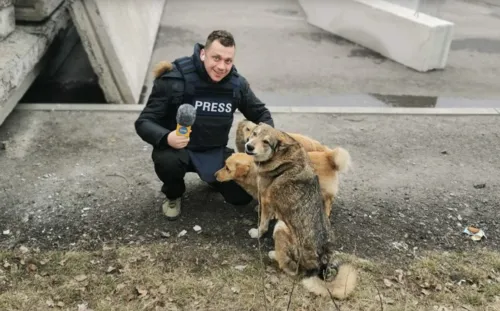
[172, 208]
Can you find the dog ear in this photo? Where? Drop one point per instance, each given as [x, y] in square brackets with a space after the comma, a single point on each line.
[241, 170]
[282, 144]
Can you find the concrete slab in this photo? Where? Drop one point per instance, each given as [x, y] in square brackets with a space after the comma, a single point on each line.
[35, 10]
[421, 42]
[73, 180]
[118, 37]
[7, 19]
[22, 57]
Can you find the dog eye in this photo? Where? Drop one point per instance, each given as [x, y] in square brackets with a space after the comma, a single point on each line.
[266, 141]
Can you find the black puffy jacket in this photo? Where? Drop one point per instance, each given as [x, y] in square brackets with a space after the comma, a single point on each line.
[158, 117]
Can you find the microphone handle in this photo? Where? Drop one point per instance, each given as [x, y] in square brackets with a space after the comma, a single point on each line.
[182, 130]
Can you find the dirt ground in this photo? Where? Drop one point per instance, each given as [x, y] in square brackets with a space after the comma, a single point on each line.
[77, 181]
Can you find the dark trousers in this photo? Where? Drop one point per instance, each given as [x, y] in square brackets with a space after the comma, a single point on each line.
[171, 165]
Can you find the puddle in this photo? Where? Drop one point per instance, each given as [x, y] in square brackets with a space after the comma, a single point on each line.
[481, 45]
[285, 12]
[317, 37]
[376, 100]
[407, 101]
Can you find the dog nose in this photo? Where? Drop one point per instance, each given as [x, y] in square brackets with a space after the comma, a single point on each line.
[249, 147]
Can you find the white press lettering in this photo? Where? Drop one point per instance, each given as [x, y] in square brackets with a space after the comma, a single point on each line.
[208, 106]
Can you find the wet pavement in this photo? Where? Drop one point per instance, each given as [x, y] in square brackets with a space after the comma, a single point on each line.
[377, 100]
[291, 63]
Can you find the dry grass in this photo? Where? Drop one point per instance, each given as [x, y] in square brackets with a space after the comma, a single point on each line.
[214, 277]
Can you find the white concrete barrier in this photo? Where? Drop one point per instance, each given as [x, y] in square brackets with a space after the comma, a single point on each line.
[7, 19]
[421, 42]
[118, 37]
[429, 7]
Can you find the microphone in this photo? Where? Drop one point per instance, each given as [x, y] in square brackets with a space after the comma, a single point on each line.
[186, 114]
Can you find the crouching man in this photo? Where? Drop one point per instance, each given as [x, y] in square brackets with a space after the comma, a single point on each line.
[209, 81]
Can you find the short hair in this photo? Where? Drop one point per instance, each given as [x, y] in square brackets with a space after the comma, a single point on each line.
[225, 38]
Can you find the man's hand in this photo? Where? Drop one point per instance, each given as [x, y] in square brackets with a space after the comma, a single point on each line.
[177, 142]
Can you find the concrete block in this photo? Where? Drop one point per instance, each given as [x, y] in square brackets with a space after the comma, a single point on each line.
[7, 19]
[118, 37]
[429, 7]
[35, 10]
[420, 42]
[22, 55]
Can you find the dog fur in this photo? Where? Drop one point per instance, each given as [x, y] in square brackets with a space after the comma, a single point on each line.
[290, 189]
[245, 127]
[241, 168]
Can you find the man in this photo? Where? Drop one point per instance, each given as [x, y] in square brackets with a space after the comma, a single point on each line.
[207, 80]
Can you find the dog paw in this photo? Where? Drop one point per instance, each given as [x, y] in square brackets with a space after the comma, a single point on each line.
[254, 233]
[272, 255]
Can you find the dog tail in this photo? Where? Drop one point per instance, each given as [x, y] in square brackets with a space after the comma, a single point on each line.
[162, 67]
[339, 159]
[340, 287]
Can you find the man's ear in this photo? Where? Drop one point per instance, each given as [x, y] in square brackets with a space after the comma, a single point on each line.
[202, 54]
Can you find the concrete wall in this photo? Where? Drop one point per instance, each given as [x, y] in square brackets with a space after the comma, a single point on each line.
[7, 19]
[119, 37]
[35, 10]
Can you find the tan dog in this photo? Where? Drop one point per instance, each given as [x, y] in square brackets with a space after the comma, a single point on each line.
[241, 168]
[245, 127]
[289, 189]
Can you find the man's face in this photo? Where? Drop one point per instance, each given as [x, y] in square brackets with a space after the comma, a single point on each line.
[218, 60]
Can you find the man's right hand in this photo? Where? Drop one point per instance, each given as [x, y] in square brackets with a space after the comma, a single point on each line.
[177, 142]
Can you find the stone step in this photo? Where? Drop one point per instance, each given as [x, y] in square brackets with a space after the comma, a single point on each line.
[22, 56]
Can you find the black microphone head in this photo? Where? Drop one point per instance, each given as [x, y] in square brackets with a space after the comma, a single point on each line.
[186, 114]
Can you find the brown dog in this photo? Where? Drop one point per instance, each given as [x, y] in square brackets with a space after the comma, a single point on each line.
[289, 189]
[241, 168]
[245, 127]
